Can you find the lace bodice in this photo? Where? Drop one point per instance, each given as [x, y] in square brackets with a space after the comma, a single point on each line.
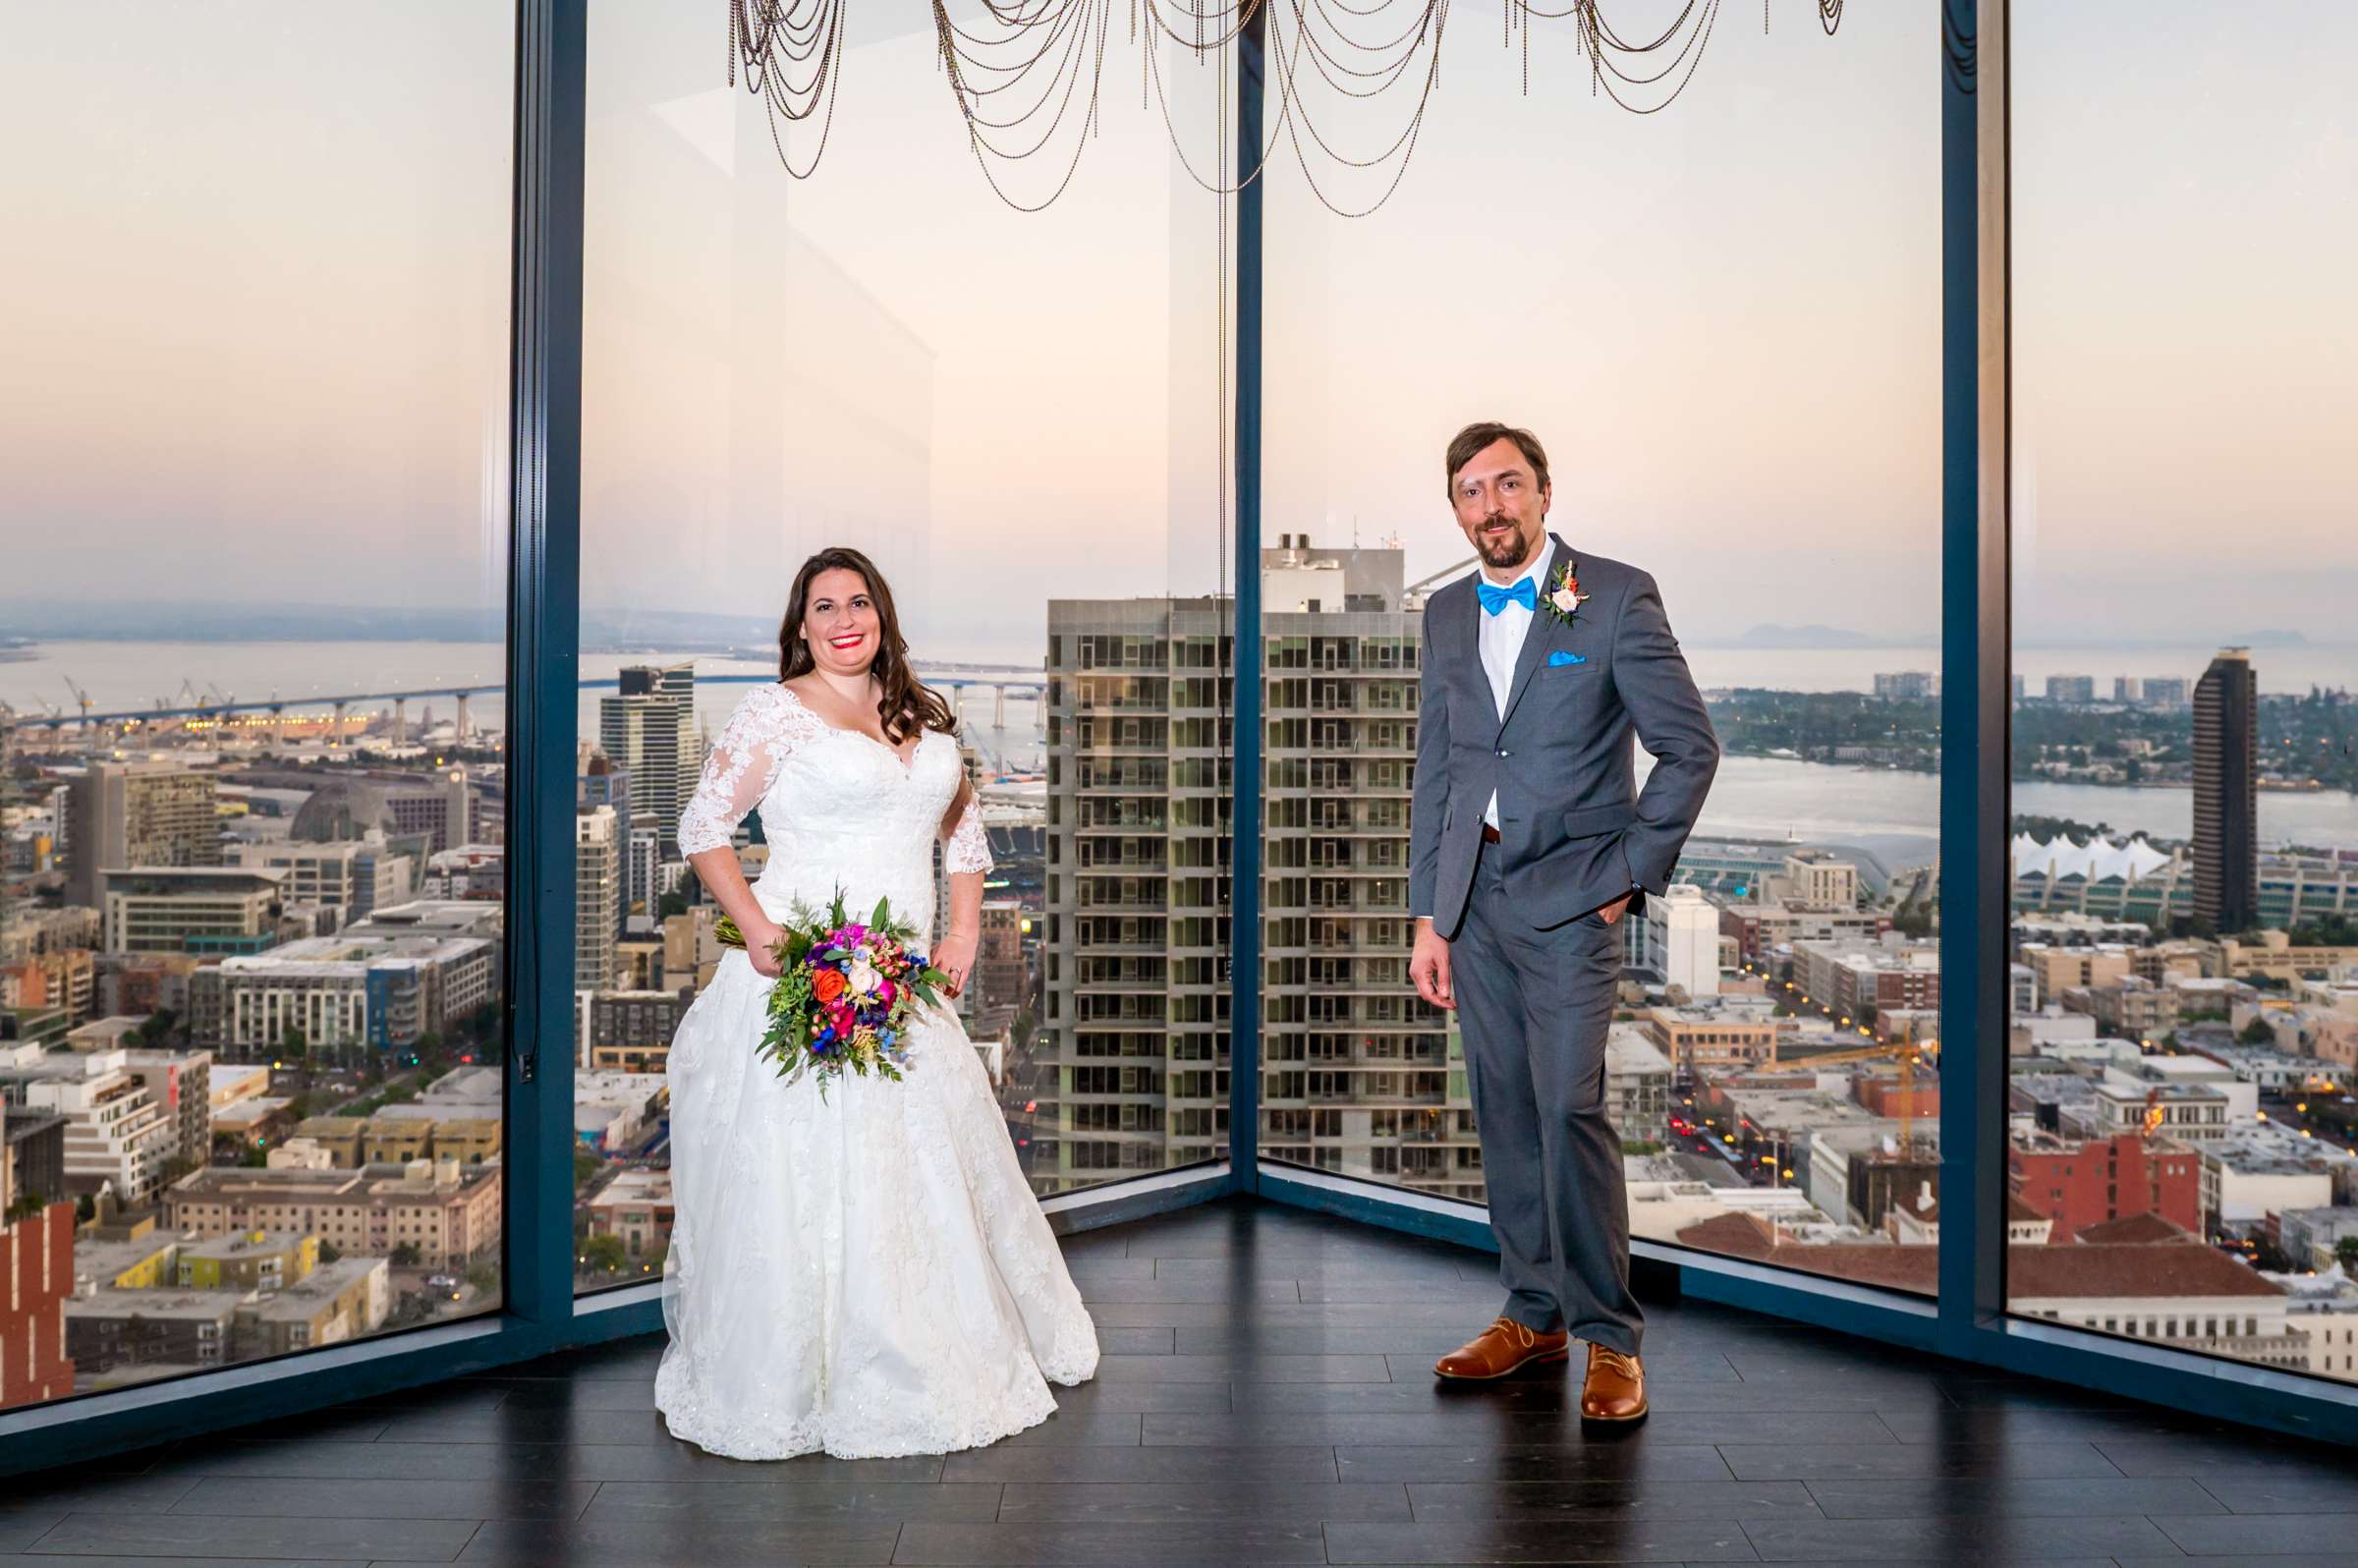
[839, 808]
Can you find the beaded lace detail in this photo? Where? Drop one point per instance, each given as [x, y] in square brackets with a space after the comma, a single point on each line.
[969, 848]
[744, 763]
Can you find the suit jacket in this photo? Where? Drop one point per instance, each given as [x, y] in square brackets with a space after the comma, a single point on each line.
[1574, 832]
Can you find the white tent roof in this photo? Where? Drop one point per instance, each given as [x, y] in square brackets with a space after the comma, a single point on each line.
[2099, 860]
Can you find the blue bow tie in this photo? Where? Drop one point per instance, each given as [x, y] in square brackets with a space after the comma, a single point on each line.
[1495, 598]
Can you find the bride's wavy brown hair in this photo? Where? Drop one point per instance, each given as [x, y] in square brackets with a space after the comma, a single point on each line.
[906, 703]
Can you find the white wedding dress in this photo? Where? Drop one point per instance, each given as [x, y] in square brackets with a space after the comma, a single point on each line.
[866, 1274]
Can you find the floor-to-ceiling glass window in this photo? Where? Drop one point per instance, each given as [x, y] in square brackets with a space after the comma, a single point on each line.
[253, 577]
[1722, 321]
[2184, 953]
[1016, 416]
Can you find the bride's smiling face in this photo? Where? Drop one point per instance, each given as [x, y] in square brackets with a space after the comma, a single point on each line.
[840, 623]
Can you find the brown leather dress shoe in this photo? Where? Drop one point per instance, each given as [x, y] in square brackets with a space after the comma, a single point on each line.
[1615, 1388]
[1505, 1347]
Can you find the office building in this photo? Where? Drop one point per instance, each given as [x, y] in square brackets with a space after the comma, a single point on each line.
[602, 782]
[1818, 879]
[1727, 1035]
[447, 1210]
[348, 878]
[1637, 1088]
[375, 988]
[631, 1030]
[127, 814]
[597, 884]
[36, 1260]
[196, 909]
[119, 1131]
[33, 1148]
[648, 729]
[1000, 983]
[1680, 939]
[2078, 1181]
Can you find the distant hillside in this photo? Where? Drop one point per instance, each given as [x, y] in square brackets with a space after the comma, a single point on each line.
[118, 621]
[1800, 637]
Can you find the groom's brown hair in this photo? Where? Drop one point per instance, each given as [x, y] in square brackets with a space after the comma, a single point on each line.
[1474, 437]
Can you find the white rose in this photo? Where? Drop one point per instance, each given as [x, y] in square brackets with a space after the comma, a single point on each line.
[863, 978]
[1564, 600]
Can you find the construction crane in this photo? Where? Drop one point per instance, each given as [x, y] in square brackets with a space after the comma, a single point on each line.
[1910, 1056]
[81, 697]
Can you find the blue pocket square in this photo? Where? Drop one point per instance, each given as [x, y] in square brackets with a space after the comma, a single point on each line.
[1557, 659]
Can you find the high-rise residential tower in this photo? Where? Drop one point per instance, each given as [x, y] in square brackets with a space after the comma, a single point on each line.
[2227, 818]
[1356, 1071]
[1133, 1072]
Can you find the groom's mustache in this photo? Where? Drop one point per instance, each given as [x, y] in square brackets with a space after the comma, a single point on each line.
[1510, 543]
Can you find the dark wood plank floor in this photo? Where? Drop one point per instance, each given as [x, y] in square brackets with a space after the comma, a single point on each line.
[1266, 1397]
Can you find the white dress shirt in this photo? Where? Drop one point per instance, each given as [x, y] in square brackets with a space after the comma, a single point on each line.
[1502, 644]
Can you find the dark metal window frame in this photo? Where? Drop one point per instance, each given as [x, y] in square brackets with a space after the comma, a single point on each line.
[542, 1311]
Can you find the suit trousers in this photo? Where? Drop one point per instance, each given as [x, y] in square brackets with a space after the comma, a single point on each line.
[1533, 1008]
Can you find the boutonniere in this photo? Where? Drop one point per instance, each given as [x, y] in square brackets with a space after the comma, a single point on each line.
[1564, 597]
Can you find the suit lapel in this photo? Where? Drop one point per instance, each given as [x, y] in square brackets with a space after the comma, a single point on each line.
[1465, 632]
[1544, 637]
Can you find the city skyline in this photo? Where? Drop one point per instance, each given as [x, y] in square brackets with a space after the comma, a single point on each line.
[283, 1010]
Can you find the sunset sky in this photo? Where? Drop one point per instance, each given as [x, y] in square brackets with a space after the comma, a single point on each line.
[257, 284]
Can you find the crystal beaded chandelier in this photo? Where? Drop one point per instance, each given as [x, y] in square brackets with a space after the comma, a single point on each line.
[1029, 77]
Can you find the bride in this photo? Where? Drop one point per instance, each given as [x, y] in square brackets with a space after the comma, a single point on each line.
[866, 1274]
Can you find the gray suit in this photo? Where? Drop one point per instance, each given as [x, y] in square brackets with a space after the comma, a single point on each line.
[1534, 966]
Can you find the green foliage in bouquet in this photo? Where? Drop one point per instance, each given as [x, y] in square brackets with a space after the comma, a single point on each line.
[846, 993]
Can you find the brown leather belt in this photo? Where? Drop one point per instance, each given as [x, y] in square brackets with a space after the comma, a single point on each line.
[1489, 834]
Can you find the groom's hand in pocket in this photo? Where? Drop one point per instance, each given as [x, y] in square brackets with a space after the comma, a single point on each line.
[1428, 967]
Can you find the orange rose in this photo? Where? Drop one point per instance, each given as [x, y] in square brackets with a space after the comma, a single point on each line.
[828, 984]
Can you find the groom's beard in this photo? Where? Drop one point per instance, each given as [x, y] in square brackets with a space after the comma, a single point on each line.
[1506, 550]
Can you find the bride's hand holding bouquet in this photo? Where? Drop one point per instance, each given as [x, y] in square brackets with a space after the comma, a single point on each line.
[846, 993]
[761, 943]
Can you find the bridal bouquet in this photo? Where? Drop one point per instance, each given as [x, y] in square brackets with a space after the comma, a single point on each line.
[846, 993]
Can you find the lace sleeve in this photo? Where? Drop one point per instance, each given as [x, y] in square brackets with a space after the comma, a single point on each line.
[968, 849]
[738, 772]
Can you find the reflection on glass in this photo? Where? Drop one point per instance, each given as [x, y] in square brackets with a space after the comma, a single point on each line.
[2184, 979]
[1019, 430]
[252, 567]
[1739, 393]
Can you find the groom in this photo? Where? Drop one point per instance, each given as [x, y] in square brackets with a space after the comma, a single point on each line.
[1529, 842]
